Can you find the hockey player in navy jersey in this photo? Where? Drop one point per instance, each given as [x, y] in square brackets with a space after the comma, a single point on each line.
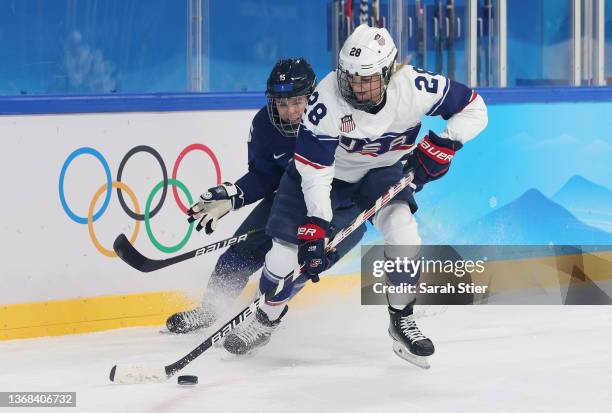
[357, 139]
[271, 145]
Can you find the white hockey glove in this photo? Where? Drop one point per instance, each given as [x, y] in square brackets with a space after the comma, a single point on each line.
[215, 204]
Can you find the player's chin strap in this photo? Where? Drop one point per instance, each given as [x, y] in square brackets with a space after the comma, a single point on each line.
[132, 374]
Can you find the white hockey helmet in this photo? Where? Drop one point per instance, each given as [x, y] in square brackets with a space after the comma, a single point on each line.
[368, 51]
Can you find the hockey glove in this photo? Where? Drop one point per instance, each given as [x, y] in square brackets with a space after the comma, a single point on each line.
[311, 248]
[214, 204]
[431, 159]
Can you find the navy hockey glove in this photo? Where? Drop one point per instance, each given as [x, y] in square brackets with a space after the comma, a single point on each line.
[431, 159]
[311, 248]
[215, 204]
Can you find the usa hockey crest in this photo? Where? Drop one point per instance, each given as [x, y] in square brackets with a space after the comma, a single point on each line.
[347, 124]
[379, 39]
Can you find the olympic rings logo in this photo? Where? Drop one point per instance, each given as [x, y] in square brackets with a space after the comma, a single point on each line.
[121, 187]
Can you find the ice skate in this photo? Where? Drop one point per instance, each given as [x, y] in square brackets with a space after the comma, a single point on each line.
[189, 321]
[254, 333]
[408, 341]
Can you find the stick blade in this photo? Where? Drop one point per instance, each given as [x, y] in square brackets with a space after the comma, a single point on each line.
[130, 255]
[135, 374]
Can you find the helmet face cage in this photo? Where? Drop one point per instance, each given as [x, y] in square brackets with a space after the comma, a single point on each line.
[292, 108]
[289, 85]
[363, 92]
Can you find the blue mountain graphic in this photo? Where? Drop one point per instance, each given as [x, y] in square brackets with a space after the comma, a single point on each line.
[589, 202]
[531, 219]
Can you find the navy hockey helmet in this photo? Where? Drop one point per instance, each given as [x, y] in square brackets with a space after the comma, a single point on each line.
[289, 85]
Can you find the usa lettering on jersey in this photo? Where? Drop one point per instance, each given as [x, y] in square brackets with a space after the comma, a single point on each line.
[378, 146]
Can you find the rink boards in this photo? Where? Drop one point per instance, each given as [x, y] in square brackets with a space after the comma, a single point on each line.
[58, 221]
[59, 273]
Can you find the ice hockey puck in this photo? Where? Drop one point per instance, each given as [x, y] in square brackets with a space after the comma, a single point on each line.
[188, 380]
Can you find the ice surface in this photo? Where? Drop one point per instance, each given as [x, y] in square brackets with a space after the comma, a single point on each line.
[338, 357]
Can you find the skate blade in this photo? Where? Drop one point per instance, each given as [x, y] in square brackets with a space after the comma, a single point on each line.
[171, 333]
[402, 352]
[194, 331]
[227, 356]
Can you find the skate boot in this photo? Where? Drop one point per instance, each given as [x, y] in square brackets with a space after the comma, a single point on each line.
[408, 341]
[254, 333]
[187, 321]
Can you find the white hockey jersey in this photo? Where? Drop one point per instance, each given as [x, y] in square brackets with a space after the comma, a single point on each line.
[338, 141]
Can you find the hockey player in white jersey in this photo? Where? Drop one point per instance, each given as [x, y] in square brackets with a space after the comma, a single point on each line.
[357, 139]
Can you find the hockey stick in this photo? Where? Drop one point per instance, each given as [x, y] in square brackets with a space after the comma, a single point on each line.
[135, 259]
[133, 374]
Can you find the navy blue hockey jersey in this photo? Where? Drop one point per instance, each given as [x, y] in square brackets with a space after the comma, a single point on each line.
[269, 155]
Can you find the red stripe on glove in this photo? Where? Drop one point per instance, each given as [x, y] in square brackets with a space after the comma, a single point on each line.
[309, 232]
[437, 153]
